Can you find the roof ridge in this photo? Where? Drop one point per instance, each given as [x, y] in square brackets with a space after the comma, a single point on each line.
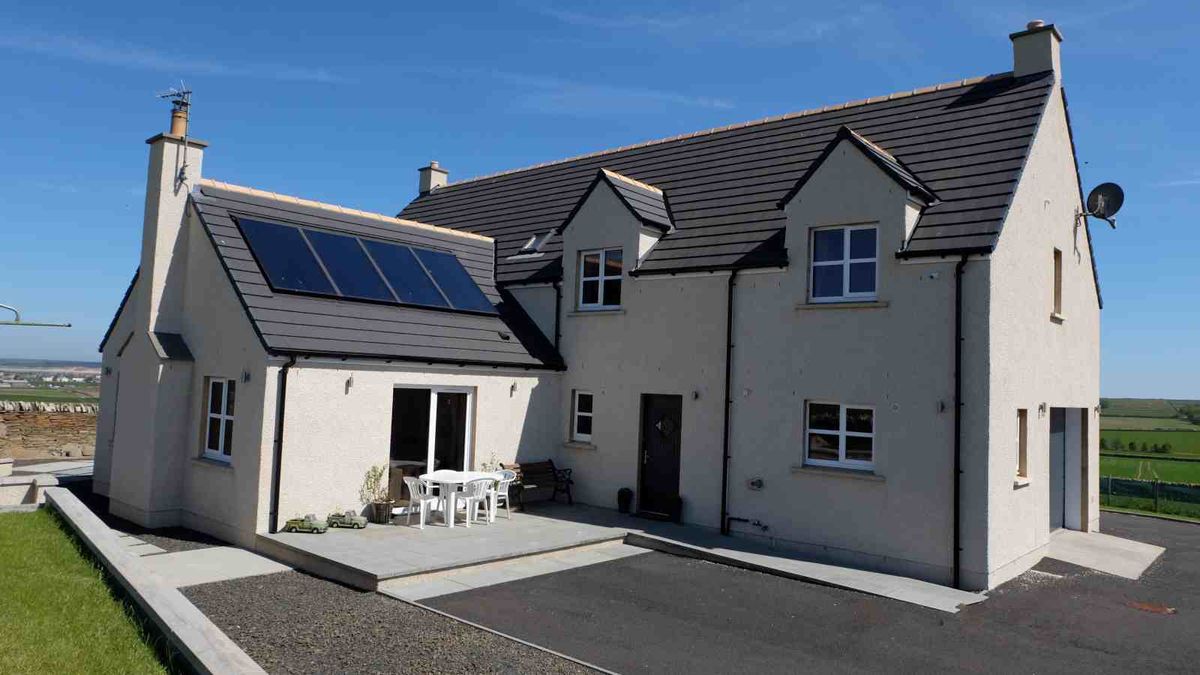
[637, 183]
[729, 127]
[230, 187]
[873, 144]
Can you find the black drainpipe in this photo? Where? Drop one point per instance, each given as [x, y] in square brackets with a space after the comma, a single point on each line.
[557, 313]
[958, 339]
[277, 450]
[728, 401]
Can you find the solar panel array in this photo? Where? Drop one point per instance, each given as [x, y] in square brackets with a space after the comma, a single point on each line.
[303, 260]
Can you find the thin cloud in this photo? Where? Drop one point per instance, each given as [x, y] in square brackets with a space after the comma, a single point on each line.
[756, 25]
[549, 94]
[1186, 182]
[86, 50]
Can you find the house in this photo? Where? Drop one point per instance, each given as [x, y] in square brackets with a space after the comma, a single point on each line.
[868, 332]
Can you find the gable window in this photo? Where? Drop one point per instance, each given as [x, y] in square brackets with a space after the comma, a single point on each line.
[218, 427]
[581, 417]
[843, 263]
[1022, 443]
[1057, 307]
[600, 279]
[840, 435]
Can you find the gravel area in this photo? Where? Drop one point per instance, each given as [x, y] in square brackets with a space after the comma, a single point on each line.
[170, 539]
[295, 623]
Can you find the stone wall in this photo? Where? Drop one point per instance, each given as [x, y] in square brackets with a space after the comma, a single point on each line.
[31, 430]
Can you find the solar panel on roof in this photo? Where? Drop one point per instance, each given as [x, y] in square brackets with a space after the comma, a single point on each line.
[349, 266]
[459, 287]
[405, 274]
[285, 258]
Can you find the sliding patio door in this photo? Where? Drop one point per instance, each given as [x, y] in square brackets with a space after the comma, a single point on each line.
[431, 429]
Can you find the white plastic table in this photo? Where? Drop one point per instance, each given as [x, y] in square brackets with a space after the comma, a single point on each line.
[448, 482]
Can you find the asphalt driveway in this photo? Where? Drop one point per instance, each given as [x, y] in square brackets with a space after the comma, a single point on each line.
[656, 612]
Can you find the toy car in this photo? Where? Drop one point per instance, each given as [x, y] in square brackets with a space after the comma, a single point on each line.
[348, 519]
[309, 523]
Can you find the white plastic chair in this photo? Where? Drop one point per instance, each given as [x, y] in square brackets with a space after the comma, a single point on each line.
[500, 491]
[419, 495]
[475, 495]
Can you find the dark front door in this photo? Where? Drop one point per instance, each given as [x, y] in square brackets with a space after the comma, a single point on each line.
[662, 422]
[1058, 468]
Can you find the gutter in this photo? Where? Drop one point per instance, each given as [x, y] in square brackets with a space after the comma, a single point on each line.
[958, 339]
[728, 400]
[277, 447]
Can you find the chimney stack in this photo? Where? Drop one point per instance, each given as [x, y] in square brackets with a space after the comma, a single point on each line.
[1035, 49]
[432, 177]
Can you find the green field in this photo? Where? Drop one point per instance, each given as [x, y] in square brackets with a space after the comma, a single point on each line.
[1137, 407]
[1185, 443]
[1151, 469]
[57, 612]
[79, 394]
[1147, 423]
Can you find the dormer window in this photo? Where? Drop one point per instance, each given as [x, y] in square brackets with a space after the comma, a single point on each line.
[600, 279]
[843, 264]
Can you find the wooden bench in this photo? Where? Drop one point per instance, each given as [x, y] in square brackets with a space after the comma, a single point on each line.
[532, 475]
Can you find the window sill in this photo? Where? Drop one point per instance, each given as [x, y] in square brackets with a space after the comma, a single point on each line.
[596, 312]
[1057, 318]
[1020, 482]
[579, 445]
[850, 304]
[856, 474]
[214, 463]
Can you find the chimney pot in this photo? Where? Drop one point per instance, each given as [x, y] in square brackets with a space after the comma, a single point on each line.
[1036, 23]
[179, 121]
[432, 177]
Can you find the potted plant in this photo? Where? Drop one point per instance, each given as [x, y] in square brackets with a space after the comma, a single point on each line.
[374, 492]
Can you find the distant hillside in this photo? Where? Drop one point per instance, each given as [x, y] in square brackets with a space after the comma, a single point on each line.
[1138, 407]
[27, 364]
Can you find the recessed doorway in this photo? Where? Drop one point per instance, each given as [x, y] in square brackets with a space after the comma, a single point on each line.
[431, 429]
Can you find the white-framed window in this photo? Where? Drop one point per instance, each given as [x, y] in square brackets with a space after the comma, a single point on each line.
[839, 435]
[218, 418]
[1057, 307]
[581, 416]
[843, 263]
[600, 279]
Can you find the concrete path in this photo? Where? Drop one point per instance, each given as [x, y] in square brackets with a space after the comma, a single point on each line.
[1103, 552]
[206, 565]
[740, 553]
[137, 546]
[75, 468]
[432, 585]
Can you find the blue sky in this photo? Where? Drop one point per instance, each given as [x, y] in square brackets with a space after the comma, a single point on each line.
[345, 106]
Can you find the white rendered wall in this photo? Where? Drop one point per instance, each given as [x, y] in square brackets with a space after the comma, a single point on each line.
[1034, 359]
[334, 432]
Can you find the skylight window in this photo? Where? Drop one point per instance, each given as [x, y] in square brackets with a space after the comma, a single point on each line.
[315, 262]
[535, 243]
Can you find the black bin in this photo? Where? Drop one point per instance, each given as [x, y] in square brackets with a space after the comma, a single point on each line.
[624, 500]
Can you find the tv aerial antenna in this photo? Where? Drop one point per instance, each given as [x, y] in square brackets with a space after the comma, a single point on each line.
[1103, 202]
[181, 103]
[18, 322]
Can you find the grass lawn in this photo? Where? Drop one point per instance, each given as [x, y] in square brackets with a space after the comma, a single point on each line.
[57, 613]
[1146, 423]
[1182, 442]
[1150, 469]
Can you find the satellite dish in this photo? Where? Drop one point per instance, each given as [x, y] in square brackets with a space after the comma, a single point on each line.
[1104, 202]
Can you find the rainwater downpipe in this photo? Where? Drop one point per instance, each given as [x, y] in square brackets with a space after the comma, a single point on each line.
[557, 314]
[728, 401]
[277, 449]
[958, 340]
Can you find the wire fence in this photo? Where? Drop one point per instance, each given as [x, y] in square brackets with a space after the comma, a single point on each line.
[1155, 496]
